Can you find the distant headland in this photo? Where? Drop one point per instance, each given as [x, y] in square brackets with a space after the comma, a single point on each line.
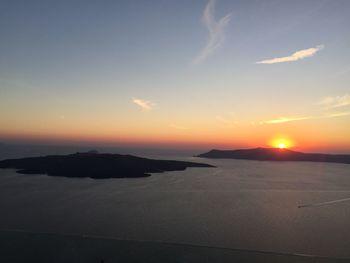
[275, 154]
[96, 165]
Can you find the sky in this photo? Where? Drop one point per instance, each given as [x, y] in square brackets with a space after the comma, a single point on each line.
[210, 74]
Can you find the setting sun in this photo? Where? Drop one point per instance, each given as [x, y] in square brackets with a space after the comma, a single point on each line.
[281, 143]
[281, 146]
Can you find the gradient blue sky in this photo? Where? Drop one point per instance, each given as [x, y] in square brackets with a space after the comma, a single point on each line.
[138, 71]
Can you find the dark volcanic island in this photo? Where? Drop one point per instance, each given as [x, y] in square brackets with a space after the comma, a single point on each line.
[275, 154]
[96, 165]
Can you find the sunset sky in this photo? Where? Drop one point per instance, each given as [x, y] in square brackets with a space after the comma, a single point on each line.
[211, 74]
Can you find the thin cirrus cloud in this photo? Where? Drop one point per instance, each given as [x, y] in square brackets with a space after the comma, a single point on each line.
[336, 101]
[286, 119]
[298, 55]
[290, 119]
[337, 114]
[216, 31]
[143, 104]
[331, 103]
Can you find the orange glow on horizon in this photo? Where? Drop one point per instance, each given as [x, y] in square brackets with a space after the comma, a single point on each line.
[203, 136]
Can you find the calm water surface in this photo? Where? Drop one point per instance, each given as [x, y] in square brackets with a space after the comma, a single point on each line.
[240, 204]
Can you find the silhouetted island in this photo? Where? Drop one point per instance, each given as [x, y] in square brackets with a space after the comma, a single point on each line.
[274, 154]
[95, 165]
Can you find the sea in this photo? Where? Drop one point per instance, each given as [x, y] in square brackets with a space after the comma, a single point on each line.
[297, 208]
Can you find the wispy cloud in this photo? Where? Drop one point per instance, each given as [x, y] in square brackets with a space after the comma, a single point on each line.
[177, 127]
[290, 119]
[286, 119]
[144, 104]
[216, 31]
[298, 55]
[337, 114]
[335, 102]
[329, 104]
